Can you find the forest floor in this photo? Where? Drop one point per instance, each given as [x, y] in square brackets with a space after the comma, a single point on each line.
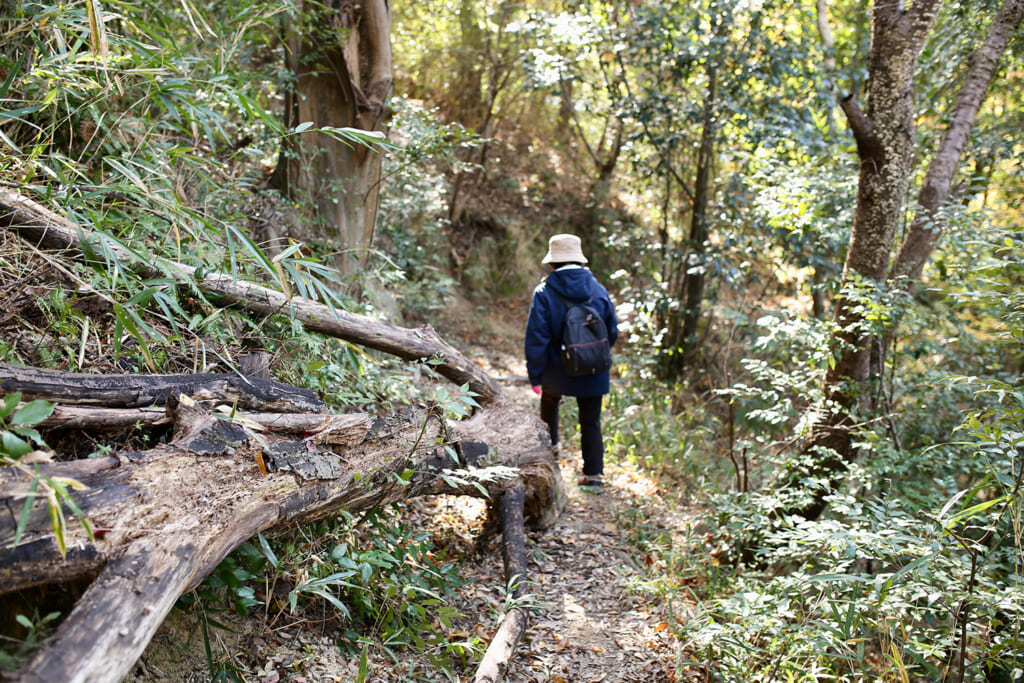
[598, 615]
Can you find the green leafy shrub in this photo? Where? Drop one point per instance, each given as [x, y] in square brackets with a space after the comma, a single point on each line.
[915, 573]
[412, 223]
[19, 448]
[371, 574]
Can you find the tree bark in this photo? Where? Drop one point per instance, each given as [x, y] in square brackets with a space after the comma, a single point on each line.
[688, 287]
[693, 282]
[885, 145]
[928, 222]
[343, 81]
[170, 515]
[136, 391]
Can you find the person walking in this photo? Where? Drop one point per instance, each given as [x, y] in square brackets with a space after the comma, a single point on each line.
[569, 282]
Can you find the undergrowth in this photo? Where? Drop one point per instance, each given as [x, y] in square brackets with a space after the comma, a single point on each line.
[915, 571]
[372, 580]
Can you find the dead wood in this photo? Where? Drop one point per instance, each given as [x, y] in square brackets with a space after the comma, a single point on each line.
[41, 226]
[321, 428]
[496, 659]
[135, 391]
[168, 516]
[342, 461]
[104, 419]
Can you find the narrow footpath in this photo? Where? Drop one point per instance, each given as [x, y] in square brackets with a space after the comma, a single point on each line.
[599, 615]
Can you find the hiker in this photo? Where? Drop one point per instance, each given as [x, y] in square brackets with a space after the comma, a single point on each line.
[569, 282]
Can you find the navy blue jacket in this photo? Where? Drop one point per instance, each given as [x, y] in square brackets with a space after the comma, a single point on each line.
[544, 331]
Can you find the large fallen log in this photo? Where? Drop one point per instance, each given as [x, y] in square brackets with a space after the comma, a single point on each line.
[146, 554]
[168, 516]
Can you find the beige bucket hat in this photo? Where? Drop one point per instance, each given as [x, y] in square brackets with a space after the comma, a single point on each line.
[564, 249]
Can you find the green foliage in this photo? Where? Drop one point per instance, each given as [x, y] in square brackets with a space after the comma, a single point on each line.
[18, 435]
[412, 222]
[15, 654]
[648, 429]
[373, 574]
[19, 448]
[148, 131]
[915, 573]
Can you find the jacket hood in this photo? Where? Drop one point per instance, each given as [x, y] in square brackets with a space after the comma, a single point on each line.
[572, 284]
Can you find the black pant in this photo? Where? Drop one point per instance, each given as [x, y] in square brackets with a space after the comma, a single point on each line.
[590, 428]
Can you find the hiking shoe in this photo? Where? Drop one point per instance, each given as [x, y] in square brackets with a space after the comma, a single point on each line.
[591, 481]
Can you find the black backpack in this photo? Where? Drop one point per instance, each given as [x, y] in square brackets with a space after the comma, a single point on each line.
[585, 347]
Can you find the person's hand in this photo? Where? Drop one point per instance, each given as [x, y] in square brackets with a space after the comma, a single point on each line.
[536, 390]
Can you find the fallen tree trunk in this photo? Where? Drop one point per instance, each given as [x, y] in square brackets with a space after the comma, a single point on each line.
[496, 658]
[135, 391]
[100, 419]
[168, 516]
[41, 226]
[120, 490]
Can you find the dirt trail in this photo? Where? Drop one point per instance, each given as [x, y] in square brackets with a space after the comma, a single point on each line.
[594, 620]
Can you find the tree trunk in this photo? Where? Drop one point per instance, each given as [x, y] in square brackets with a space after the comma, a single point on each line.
[343, 80]
[928, 222]
[683, 322]
[136, 391]
[885, 145]
[695, 266]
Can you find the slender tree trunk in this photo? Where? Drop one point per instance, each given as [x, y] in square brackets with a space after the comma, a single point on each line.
[818, 294]
[683, 323]
[928, 223]
[695, 266]
[885, 146]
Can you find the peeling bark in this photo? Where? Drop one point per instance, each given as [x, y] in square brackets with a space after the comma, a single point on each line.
[166, 517]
